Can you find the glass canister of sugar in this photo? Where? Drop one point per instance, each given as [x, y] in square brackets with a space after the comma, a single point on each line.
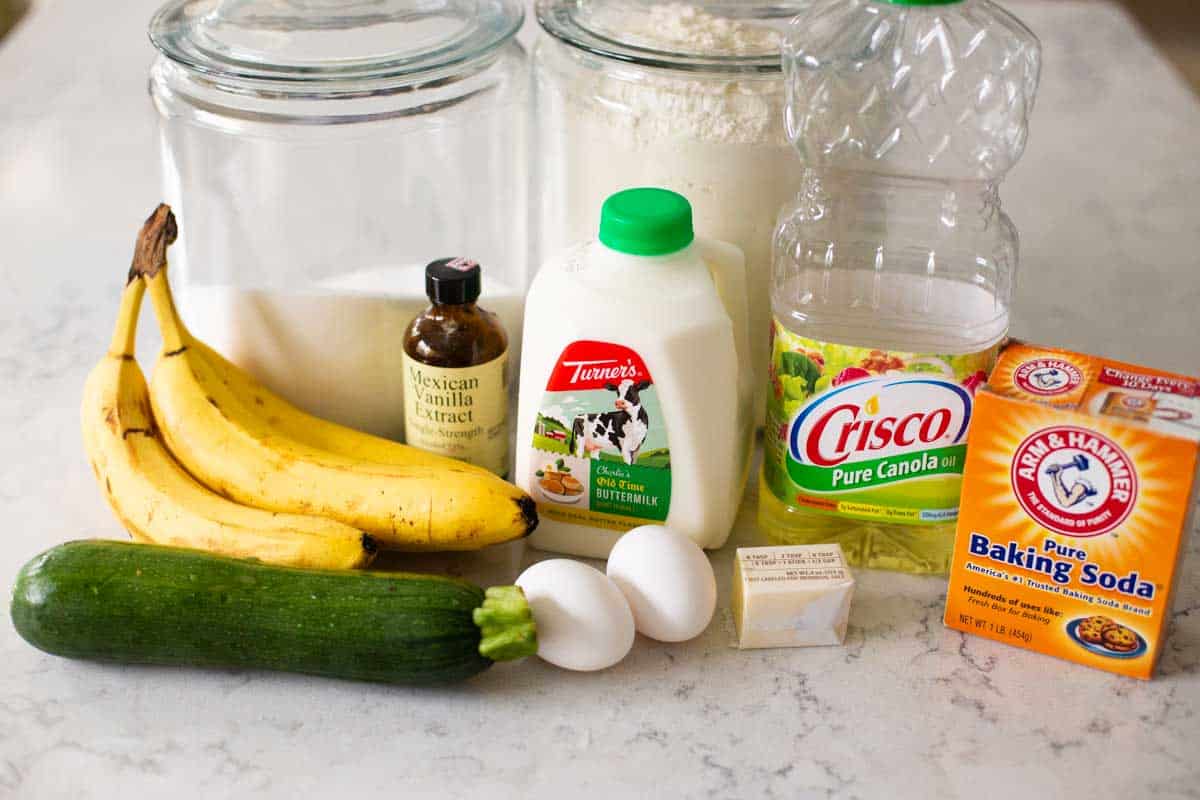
[319, 153]
[687, 96]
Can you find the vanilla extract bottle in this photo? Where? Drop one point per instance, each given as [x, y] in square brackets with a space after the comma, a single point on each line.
[456, 371]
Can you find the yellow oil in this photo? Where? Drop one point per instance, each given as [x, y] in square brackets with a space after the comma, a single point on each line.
[919, 549]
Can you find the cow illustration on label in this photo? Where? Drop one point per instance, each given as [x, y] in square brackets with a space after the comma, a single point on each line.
[622, 431]
[600, 449]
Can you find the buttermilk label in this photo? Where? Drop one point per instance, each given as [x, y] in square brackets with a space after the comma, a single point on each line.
[869, 433]
[600, 451]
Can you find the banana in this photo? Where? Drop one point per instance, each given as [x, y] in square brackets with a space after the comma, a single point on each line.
[157, 500]
[231, 442]
[289, 422]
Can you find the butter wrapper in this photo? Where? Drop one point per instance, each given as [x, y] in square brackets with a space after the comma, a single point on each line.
[791, 596]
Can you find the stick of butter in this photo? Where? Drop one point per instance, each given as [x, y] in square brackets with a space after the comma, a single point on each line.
[791, 596]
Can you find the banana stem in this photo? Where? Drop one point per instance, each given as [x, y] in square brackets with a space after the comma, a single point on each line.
[124, 338]
[149, 252]
[174, 333]
[150, 264]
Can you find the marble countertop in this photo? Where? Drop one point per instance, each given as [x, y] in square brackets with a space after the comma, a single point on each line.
[1106, 202]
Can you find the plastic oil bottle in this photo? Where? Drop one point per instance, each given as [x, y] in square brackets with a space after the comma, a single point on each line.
[893, 268]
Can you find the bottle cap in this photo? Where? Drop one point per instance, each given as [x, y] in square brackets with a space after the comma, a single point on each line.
[452, 281]
[646, 222]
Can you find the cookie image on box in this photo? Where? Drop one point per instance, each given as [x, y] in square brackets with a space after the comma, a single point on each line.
[1091, 629]
[1103, 636]
[1120, 639]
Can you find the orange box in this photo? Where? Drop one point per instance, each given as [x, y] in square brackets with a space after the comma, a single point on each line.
[1076, 501]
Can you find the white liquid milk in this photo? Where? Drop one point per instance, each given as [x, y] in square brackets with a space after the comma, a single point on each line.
[683, 315]
[333, 350]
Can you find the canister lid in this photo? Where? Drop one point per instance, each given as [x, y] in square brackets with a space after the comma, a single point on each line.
[646, 222]
[307, 41]
[700, 36]
[452, 281]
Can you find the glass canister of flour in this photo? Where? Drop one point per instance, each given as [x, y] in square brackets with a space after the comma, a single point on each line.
[319, 152]
[687, 96]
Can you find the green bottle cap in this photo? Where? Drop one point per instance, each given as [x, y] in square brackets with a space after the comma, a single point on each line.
[646, 222]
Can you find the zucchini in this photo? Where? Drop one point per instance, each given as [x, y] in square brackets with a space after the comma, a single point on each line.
[148, 604]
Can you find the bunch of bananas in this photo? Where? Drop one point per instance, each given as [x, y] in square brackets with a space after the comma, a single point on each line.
[206, 457]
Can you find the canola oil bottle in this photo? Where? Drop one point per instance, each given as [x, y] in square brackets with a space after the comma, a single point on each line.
[893, 269]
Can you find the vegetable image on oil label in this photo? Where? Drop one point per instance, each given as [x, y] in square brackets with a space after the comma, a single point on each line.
[868, 433]
[600, 453]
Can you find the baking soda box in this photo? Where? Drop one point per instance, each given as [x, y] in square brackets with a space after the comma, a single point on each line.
[1076, 501]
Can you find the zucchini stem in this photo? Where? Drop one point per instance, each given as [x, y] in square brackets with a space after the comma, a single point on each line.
[506, 624]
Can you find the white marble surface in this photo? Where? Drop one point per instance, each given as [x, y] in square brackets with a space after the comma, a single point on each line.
[1106, 201]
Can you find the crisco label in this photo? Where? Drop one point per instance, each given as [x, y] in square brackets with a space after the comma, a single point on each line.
[869, 433]
[879, 430]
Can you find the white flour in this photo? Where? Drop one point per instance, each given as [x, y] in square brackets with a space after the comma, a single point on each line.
[685, 29]
[716, 138]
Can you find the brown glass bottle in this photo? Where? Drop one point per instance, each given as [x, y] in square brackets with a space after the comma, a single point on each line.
[456, 371]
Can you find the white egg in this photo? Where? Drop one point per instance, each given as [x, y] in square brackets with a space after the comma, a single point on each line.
[583, 621]
[667, 580]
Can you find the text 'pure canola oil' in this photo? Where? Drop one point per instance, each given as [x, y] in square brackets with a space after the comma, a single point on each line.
[893, 270]
[866, 436]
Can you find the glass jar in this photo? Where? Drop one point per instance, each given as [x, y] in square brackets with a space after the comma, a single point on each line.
[689, 97]
[318, 154]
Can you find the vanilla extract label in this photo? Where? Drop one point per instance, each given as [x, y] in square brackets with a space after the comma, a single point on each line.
[459, 412]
